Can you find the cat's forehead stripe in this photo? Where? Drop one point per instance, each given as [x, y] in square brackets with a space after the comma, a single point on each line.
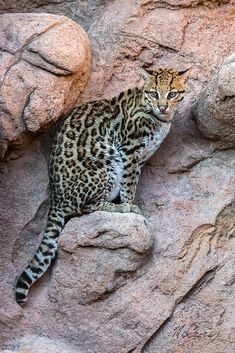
[164, 78]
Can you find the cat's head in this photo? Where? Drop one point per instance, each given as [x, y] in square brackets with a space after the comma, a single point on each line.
[163, 89]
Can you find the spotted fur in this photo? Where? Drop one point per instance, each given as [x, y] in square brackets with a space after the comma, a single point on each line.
[97, 155]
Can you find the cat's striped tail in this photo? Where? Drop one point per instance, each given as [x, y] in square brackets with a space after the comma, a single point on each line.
[42, 259]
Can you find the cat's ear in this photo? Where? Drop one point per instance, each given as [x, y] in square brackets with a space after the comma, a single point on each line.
[184, 74]
[147, 75]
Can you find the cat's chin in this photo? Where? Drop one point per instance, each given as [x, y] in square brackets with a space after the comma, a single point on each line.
[165, 117]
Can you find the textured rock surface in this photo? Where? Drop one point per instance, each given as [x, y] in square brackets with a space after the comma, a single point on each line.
[202, 319]
[36, 344]
[181, 299]
[215, 107]
[45, 64]
[102, 251]
[23, 206]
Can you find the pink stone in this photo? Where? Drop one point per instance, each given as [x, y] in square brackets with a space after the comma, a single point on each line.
[45, 65]
[106, 292]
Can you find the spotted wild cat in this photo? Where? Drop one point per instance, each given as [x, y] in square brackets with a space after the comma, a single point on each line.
[97, 155]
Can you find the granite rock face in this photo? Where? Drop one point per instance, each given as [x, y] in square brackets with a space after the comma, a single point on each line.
[111, 289]
[45, 64]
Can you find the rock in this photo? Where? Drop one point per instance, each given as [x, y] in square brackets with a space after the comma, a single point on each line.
[45, 64]
[204, 314]
[215, 106]
[180, 297]
[37, 344]
[102, 251]
[23, 205]
[188, 40]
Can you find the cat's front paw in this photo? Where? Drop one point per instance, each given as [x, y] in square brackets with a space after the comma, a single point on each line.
[122, 208]
[135, 209]
[129, 207]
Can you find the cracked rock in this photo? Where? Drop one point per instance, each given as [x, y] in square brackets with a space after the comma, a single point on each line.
[45, 64]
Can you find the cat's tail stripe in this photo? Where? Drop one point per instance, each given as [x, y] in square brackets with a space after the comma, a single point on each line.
[42, 259]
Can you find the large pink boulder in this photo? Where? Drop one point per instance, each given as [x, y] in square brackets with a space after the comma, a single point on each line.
[215, 106]
[44, 66]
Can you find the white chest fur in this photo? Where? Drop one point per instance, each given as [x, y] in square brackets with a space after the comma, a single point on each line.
[150, 145]
[153, 141]
[115, 175]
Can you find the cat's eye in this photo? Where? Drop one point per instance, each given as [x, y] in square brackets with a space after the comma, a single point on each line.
[171, 95]
[154, 94]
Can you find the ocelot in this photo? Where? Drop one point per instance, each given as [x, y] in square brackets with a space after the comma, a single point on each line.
[97, 155]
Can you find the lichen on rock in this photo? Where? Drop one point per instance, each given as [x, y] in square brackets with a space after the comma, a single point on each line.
[40, 344]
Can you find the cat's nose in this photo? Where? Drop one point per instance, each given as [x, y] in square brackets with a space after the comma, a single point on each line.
[162, 108]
